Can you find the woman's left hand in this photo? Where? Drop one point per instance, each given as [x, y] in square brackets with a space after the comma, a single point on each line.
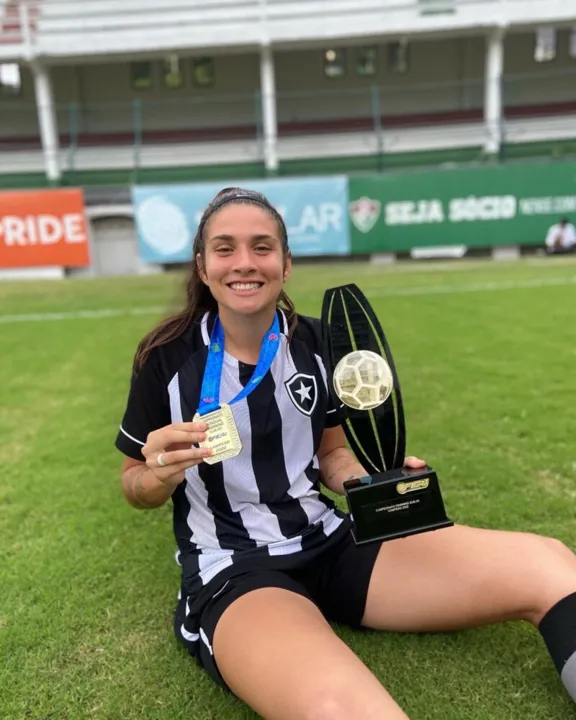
[413, 462]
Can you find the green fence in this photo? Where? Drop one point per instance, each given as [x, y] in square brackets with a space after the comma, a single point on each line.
[480, 207]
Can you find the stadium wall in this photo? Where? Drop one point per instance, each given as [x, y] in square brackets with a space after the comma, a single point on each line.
[453, 211]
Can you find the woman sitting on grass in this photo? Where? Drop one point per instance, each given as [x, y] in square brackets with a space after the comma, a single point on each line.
[267, 559]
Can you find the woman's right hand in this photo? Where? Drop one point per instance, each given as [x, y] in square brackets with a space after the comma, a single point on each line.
[168, 451]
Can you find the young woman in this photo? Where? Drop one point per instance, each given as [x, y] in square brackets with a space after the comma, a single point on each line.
[267, 560]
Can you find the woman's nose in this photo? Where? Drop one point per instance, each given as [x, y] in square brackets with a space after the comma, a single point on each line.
[243, 259]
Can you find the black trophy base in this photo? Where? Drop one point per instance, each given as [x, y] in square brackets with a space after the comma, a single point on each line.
[395, 504]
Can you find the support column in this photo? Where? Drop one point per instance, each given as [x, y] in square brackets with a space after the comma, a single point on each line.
[493, 90]
[47, 121]
[269, 120]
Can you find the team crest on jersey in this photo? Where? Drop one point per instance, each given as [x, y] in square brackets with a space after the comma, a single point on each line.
[303, 391]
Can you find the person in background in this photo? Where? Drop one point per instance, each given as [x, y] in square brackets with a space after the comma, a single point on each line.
[561, 238]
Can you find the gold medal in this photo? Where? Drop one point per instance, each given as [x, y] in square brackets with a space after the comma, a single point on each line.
[222, 434]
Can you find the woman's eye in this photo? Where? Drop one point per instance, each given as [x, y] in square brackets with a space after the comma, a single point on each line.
[262, 248]
[224, 250]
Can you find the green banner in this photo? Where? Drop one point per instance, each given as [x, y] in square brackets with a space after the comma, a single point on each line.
[480, 207]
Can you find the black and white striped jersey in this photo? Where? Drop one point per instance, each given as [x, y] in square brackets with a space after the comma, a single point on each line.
[263, 507]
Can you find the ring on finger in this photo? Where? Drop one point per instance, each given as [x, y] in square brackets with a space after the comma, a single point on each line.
[160, 460]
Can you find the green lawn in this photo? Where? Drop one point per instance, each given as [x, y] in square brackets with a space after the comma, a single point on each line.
[486, 354]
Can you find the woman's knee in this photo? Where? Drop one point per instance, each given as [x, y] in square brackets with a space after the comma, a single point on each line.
[337, 700]
[558, 547]
[555, 576]
[327, 703]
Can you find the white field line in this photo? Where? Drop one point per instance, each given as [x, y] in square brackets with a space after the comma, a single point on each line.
[446, 289]
[80, 315]
[411, 267]
[472, 287]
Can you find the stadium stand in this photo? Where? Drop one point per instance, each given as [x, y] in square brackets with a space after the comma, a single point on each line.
[107, 94]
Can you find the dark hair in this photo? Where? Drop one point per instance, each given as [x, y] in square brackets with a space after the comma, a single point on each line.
[199, 299]
[564, 221]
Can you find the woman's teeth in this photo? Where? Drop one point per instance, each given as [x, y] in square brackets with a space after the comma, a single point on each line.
[245, 286]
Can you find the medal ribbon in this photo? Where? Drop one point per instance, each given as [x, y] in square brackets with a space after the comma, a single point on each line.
[210, 392]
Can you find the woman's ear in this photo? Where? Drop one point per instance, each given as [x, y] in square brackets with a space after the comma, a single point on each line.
[200, 268]
[288, 266]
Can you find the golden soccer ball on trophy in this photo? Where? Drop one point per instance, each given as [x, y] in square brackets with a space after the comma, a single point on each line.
[363, 380]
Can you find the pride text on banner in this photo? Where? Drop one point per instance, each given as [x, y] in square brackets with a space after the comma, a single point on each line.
[40, 228]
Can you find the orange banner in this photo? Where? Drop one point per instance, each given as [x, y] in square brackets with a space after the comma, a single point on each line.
[43, 227]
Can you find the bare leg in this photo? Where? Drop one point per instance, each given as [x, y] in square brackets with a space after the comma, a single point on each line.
[278, 654]
[559, 548]
[462, 577]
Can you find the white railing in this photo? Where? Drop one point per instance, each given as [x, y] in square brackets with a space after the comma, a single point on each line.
[78, 28]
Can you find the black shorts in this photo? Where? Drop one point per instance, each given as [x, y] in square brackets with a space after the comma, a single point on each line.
[336, 582]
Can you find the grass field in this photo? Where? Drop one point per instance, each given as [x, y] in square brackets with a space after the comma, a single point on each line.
[486, 354]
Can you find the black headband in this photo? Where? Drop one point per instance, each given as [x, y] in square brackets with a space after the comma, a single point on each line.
[242, 196]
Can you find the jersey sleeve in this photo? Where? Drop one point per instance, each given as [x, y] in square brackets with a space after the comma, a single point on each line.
[335, 414]
[147, 409]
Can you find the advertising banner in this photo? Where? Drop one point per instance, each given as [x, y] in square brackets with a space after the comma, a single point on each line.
[477, 207]
[40, 228]
[314, 210]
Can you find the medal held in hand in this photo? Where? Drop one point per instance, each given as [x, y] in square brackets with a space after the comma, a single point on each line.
[222, 434]
[393, 501]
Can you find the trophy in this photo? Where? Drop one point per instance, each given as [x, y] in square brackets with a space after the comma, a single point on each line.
[392, 501]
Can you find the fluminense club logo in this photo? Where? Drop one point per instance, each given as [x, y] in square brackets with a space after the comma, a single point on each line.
[364, 213]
